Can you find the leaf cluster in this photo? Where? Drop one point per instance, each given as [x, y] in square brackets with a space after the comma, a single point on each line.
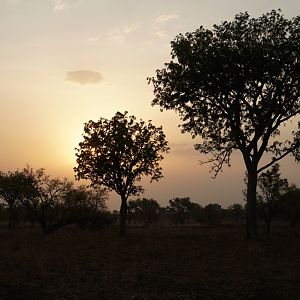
[117, 152]
[235, 85]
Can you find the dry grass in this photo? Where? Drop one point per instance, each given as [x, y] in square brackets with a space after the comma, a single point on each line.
[149, 263]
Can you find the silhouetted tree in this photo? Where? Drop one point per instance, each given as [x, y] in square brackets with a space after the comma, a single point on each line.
[237, 210]
[289, 206]
[197, 212]
[235, 87]
[117, 152]
[143, 210]
[11, 188]
[133, 212]
[44, 197]
[86, 206]
[180, 209]
[271, 188]
[213, 214]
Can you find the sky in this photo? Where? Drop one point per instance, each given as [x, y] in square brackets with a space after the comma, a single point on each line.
[65, 62]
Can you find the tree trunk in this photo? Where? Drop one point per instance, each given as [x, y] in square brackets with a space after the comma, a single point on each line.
[44, 226]
[11, 213]
[268, 223]
[123, 215]
[252, 232]
[270, 216]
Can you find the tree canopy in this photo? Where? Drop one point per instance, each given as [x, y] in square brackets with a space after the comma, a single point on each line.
[116, 153]
[11, 189]
[235, 87]
[271, 188]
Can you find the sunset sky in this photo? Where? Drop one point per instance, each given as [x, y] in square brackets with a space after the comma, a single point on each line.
[64, 62]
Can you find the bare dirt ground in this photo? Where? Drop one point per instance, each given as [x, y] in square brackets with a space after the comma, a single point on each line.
[149, 263]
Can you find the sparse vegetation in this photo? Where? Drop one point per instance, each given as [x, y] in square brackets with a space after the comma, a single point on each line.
[155, 263]
[200, 259]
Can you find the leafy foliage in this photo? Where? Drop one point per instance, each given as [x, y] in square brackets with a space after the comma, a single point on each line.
[11, 188]
[143, 210]
[237, 210]
[213, 214]
[180, 209]
[289, 206]
[116, 153]
[235, 87]
[271, 188]
[44, 198]
[87, 206]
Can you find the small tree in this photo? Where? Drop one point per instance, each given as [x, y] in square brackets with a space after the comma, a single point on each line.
[144, 210]
[197, 212]
[117, 152]
[213, 214]
[86, 206]
[11, 188]
[237, 210]
[289, 206]
[180, 209]
[235, 87]
[44, 197]
[271, 188]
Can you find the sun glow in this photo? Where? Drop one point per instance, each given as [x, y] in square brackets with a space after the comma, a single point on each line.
[62, 66]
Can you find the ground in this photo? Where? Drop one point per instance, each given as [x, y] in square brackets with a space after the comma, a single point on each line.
[149, 263]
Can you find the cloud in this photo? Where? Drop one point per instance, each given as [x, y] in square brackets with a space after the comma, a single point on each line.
[160, 33]
[129, 28]
[165, 18]
[182, 149]
[120, 33]
[161, 25]
[93, 39]
[60, 5]
[84, 77]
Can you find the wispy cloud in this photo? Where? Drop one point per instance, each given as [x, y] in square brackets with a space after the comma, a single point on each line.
[165, 18]
[129, 28]
[119, 34]
[160, 33]
[162, 25]
[60, 5]
[93, 39]
[84, 77]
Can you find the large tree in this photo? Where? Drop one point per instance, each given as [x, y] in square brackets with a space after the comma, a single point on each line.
[117, 152]
[235, 87]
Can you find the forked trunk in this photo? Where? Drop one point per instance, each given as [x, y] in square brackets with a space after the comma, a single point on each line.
[252, 231]
[123, 215]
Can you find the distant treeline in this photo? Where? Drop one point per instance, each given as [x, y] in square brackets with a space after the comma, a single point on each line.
[32, 197]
